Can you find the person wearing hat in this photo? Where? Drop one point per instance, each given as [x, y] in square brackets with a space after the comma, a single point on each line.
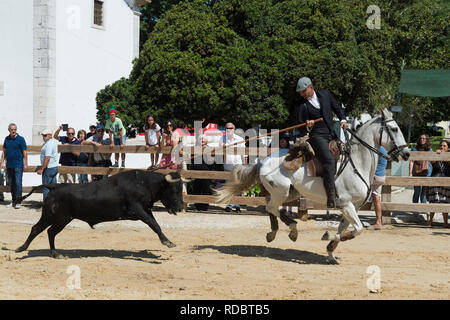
[99, 159]
[49, 160]
[92, 130]
[314, 105]
[117, 132]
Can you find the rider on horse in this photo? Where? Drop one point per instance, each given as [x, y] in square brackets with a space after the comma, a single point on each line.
[315, 105]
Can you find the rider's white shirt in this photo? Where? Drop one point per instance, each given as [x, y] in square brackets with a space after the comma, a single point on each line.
[314, 101]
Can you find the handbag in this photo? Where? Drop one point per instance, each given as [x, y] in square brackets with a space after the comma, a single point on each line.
[421, 168]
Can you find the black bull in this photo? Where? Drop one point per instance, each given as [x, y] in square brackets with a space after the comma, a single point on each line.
[128, 195]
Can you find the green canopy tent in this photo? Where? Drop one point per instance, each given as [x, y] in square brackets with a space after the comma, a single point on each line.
[424, 83]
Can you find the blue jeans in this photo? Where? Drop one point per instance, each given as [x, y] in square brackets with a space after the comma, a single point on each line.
[49, 177]
[82, 178]
[15, 181]
[419, 194]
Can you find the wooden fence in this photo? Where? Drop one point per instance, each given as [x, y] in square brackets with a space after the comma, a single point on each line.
[303, 204]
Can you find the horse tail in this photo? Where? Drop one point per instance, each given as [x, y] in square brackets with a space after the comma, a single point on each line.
[243, 177]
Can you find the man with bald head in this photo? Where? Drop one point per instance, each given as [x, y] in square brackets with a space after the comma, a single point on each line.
[15, 154]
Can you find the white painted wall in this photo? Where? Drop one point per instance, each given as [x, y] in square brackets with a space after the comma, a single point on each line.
[16, 66]
[89, 58]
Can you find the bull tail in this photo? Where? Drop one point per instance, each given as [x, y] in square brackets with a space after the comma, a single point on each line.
[243, 177]
[34, 189]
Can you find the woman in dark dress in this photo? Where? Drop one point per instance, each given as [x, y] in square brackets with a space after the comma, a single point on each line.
[440, 194]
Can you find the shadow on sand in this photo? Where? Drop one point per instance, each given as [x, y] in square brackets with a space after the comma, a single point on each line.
[143, 255]
[291, 255]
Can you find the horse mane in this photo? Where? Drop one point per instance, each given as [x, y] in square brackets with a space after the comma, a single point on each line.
[368, 123]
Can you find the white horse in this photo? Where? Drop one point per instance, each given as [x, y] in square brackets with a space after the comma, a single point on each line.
[352, 184]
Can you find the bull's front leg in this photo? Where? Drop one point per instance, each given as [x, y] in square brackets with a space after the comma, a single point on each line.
[149, 219]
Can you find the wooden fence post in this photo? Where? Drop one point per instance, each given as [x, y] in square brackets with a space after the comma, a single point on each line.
[184, 191]
[386, 196]
[302, 208]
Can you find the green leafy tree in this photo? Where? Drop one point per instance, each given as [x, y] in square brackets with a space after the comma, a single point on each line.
[239, 60]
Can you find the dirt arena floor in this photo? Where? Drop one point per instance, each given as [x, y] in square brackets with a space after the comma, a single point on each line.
[219, 257]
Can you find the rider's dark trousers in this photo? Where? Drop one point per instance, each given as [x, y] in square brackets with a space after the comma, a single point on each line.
[320, 144]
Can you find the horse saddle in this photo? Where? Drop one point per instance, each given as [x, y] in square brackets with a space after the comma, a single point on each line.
[302, 152]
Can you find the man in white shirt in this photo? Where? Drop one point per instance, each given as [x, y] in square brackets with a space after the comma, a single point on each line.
[49, 160]
[230, 138]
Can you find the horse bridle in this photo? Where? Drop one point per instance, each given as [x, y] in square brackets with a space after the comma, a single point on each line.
[393, 153]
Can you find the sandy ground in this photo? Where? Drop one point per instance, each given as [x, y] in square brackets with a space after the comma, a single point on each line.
[221, 256]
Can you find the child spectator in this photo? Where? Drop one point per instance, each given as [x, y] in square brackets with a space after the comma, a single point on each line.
[152, 138]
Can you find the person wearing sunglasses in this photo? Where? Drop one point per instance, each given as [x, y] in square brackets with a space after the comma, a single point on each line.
[68, 159]
[102, 160]
[231, 159]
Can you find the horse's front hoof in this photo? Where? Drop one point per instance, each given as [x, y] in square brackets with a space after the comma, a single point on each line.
[270, 236]
[326, 236]
[293, 235]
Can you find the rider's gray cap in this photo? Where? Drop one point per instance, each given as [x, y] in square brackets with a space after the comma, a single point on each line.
[303, 83]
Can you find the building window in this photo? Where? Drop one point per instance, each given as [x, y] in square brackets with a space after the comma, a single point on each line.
[98, 13]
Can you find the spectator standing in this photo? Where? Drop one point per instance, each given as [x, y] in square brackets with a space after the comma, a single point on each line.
[440, 194]
[170, 138]
[68, 159]
[117, 134]
[420, 168]
[82, 160]
[231, 160]
[152, 138]
[377, 185]
[49, 160]
[284, 149]
[102, 160]
[201, 186]
[92, 131]
[15, 154]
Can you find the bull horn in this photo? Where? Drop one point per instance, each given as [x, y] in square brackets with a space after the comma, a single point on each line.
[170, 179]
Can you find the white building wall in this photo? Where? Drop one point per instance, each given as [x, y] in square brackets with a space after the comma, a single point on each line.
[89, 58]
[16, 67]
